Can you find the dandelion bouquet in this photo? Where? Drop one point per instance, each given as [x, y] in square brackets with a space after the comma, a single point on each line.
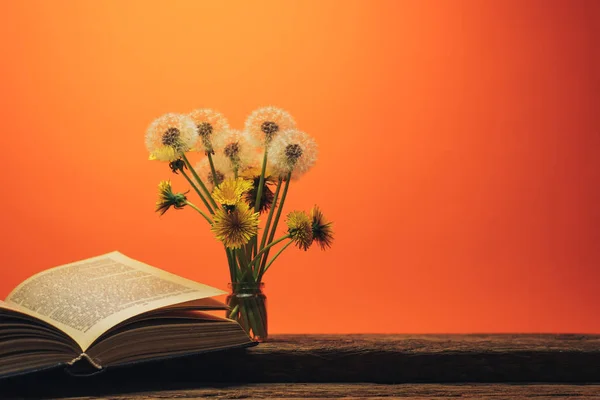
[242, 177]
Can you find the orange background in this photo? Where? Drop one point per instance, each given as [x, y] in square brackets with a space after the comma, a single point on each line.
[458, 150]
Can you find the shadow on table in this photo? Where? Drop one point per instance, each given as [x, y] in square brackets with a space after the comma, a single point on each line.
[215, 370]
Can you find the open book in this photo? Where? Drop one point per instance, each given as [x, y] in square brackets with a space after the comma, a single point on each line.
[106, 311]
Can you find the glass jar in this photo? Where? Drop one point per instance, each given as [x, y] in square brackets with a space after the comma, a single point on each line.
[248, 306]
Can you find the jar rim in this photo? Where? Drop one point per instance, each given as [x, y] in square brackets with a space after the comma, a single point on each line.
[249, 284]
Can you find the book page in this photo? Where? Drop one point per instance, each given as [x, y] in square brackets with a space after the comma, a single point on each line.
[14, 309]
[86, 298]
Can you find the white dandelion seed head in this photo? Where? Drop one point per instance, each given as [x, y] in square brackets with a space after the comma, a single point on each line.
[211, 126]
[222, 168]
[238, 148]
[170, 135]
[292, 151]
[266, 123]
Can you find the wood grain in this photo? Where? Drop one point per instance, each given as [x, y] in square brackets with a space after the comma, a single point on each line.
[374, 391]
[430, 343]
[379, 359]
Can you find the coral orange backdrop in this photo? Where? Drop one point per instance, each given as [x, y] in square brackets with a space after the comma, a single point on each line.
[458, 150]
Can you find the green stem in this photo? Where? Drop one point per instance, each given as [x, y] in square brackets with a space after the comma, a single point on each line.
[253, 319]
[259, 301]
[232, 267]
[197, 190]
[195, 174]
[242, 269]
[243, 312]
[261, 183]
[212, 168]
[234, 311]
[241, 254]
[279, 209]
[255, 259]
[271, 211]
[238, 267]
[254, 247]
[248, 248]
[200, 211]
[262, 272]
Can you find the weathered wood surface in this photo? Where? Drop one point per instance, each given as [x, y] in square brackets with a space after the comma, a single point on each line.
[384, 359]
[375, 391]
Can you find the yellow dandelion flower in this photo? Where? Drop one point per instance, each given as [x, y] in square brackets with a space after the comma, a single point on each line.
[251, 171]
[321, 230]
[165, 153]
[169, 136]
[230, 191]
[211, 126]
[168, 199]
[267, 197]
[235, 227]
[222, 168]
[265, 123]
[300, 229]
[292, 151]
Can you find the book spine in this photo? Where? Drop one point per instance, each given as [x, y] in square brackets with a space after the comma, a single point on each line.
[83, 365]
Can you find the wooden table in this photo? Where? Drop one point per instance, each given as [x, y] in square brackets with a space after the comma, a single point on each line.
[351, 366]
